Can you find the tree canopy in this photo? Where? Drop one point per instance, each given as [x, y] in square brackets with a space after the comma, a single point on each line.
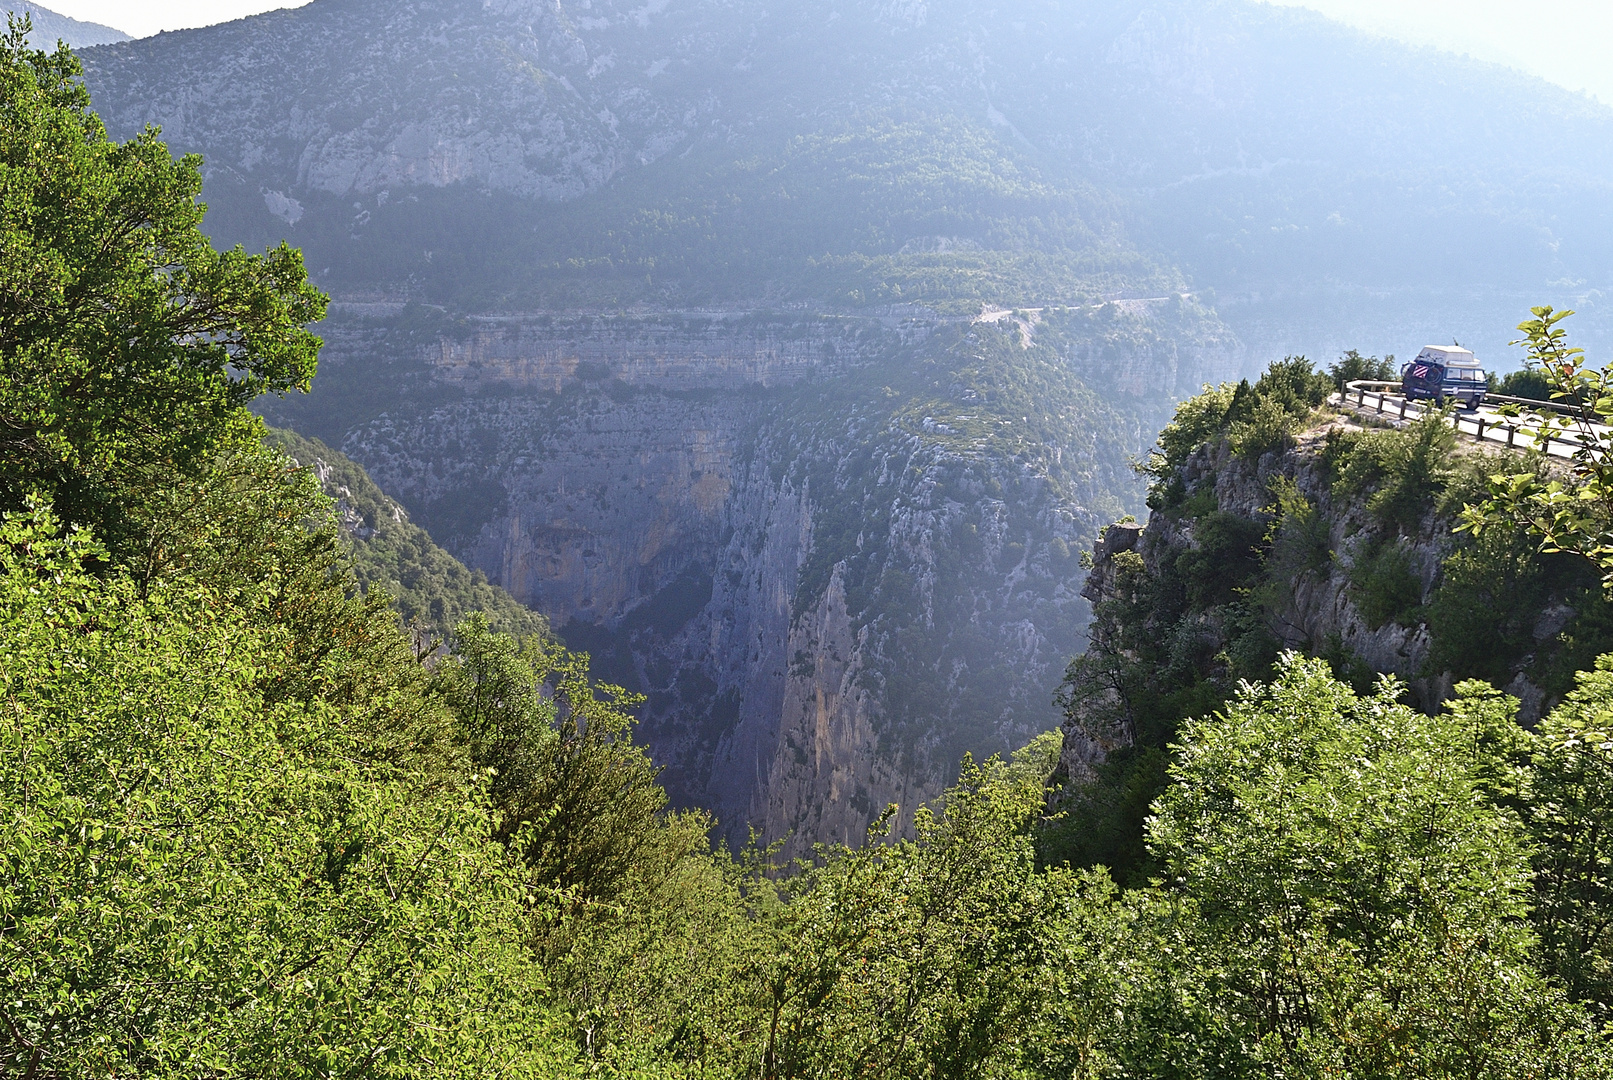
[128, 345]
[1570, 512]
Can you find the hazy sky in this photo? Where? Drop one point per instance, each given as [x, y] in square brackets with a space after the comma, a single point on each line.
[142, 17]
[1567, 41]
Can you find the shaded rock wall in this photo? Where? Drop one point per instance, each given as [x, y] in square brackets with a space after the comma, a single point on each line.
[834, 553]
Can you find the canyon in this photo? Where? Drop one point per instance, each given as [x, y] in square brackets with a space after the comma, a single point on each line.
[834, 552]
[787, 356]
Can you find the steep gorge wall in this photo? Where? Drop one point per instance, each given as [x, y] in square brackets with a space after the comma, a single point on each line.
[834, 553]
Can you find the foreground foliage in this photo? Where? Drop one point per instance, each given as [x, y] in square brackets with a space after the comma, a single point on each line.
[127, 344]
[199, 880]
[249, 828]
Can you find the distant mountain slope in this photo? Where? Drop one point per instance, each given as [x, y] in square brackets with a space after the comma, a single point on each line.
[50, 27]
[431, 589]
[425, 146]
[521, 153]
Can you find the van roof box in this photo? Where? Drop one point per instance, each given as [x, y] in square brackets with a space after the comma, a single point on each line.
[1448, 355]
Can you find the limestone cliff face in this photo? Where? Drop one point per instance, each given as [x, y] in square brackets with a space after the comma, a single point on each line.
[1320, 606]
[834, 553]
[1313, 609]
[825, 783]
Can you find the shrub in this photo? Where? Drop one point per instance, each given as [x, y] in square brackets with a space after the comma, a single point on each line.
[1406, 471]
[1348, 667]
[1383, 584]
[1294, 384]
[1298, 535]
[1268, 426]
[1352, 366]
[1197, 420]
[1482, 615]
[1224, 557]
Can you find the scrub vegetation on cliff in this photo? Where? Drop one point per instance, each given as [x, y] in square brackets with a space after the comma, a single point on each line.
[247, 828]
[1260, 497]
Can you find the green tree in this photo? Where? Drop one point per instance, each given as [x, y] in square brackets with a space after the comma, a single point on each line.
[1353, 366]
[128, 346]
[1568, 803]
[1402, 473]
[925, 957]
[1358, 892]
[1572, 513]
[196, 880]
[1528, 383]
[576, 798]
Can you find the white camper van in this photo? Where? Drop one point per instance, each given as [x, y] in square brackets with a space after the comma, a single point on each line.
[1445, 371]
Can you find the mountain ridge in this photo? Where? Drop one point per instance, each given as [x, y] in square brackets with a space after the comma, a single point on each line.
[50, 27]
[1284, 162]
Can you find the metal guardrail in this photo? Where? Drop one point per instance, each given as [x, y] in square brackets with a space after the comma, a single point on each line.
[1367, 394]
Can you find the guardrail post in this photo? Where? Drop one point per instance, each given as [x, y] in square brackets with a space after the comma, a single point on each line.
[1403, 404]
[1360, 397]
[1479, 422]
[1512, 431]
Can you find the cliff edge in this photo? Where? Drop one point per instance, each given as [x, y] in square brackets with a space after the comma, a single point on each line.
[1279, 524]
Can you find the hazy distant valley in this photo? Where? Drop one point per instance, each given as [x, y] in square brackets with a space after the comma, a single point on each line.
[786, 356]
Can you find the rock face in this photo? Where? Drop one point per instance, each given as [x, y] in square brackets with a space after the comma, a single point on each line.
[1320, 606]
[1315, 609]
[835, 553]
[431, 590]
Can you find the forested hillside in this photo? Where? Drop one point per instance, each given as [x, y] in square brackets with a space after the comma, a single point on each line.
[430, 589]
[249, 827]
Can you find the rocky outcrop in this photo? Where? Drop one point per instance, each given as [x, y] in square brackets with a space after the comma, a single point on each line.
[1320, 606]
[1314, 605]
